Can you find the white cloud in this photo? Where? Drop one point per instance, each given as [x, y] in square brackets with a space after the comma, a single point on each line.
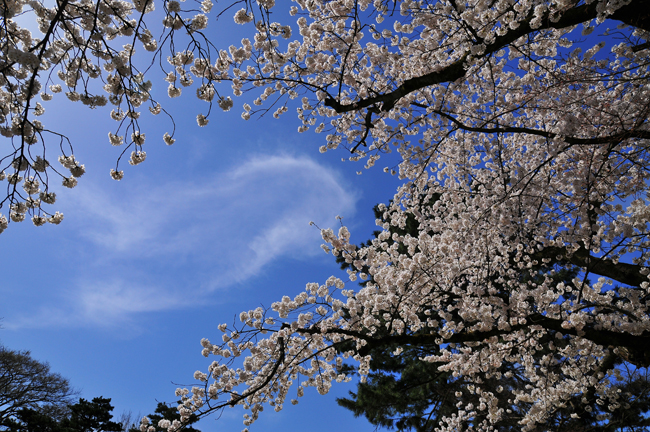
[154, 246]
[259, 199]
[113, 303]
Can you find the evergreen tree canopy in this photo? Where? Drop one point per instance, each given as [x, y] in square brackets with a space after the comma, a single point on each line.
[82, 416]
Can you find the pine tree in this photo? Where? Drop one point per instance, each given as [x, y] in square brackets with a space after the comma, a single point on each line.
[83, 416]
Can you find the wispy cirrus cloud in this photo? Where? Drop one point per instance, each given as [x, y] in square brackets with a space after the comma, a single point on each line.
[169, 246]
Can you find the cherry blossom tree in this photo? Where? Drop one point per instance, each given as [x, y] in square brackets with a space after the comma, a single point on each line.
[527, 120]
[405, 394]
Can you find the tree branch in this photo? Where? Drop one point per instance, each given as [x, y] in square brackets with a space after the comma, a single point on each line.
[628, 274]
[616, 138]
[628, 14]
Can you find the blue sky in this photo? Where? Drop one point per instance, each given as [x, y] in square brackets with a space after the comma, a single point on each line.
[118, 297]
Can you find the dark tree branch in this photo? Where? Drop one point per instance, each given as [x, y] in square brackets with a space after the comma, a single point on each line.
[635, 14]
[617, 138]
[632, 348]
[628, 274]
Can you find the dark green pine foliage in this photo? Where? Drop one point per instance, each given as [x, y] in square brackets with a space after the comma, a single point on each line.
[404, 393]
[92, 416]
[83, 416]
[31, 420]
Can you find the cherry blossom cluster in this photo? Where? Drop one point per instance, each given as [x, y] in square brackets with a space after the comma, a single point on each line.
[523, 150]
[268, 366]
[88, 52]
